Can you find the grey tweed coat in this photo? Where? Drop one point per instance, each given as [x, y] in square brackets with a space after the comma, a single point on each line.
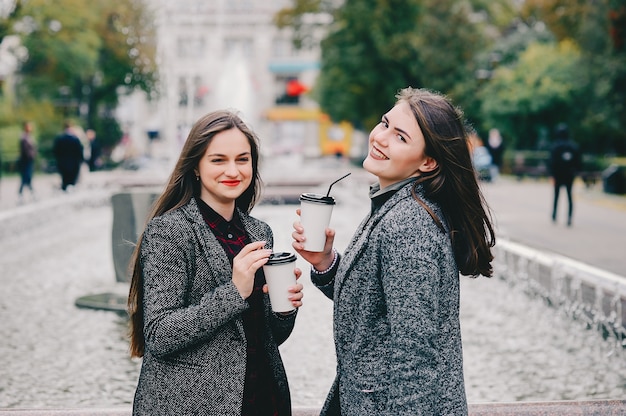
[396, 316]
[195, 354]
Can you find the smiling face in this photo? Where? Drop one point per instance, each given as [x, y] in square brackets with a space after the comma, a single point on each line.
[396, 148]
[225, 170]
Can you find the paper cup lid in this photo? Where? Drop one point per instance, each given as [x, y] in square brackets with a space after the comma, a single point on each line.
[281, 258]
[318, 199]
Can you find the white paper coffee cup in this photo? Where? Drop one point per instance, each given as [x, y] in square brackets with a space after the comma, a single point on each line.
[280, 276]
[315, 213]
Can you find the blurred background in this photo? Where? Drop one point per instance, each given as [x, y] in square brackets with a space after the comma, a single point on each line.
[312, 75]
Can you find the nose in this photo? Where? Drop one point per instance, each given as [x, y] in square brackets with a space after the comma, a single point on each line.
[231, 170]
[378, 136]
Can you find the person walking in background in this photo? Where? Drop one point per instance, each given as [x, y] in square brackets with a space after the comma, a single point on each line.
[481, 158]
[396, 287]
[95, 151]
[565, 163]
[26, 162]
[199, 310]
[495, 144]
[68, 152]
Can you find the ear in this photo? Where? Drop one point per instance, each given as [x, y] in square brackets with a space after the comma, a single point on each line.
[429, 165]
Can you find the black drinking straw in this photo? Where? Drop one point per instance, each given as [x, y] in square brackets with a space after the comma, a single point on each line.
[331, 185]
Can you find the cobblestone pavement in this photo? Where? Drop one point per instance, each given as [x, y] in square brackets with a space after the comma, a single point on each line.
[59, 247]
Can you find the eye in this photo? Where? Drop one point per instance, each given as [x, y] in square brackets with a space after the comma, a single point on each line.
[217, 160]
[243, 159]
[401, 137]
[384, 123]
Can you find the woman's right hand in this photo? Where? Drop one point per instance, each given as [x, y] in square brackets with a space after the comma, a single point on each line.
[319, 260]
[245, 264]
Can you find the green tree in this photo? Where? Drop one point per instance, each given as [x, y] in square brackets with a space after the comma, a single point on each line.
[602, 39]
[528, 98]
[375, 48]
[599, 29]
[82, 56]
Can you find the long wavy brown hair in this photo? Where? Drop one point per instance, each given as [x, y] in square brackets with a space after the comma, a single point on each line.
[453, 185]
[180, 188]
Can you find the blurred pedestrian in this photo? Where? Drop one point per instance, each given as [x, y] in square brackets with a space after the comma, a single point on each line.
[68, 151]
[95, 150]
[26, 161]
[200, 313]
[396, 287]
[495, 144]
[481, 158]
[565, 163]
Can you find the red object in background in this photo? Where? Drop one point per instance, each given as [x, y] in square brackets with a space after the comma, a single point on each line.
[618, 27]
[202, 91]
[295, 88]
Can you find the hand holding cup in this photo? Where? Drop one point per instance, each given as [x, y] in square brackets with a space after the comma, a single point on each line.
[245, 264]
[281, 277]
[321, 260]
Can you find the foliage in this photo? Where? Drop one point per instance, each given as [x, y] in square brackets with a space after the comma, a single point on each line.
[82, 60]
[374, 48]
[9, 146]
[108, 132]
[46, 122]
[599, 29]
[517, 66]
[529, 97]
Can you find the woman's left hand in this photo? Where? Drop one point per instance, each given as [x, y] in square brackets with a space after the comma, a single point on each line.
[296, 291]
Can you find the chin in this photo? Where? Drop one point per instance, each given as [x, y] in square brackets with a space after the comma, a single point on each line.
[370, 165]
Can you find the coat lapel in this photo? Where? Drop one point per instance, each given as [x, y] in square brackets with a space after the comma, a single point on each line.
[215, 254]
[254, 230]
[359, 241]
[212, 248]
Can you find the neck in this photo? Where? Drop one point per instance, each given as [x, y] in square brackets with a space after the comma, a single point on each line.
[226, 210]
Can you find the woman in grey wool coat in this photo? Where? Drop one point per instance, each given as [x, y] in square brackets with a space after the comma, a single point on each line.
[200, 313]
[396, 287]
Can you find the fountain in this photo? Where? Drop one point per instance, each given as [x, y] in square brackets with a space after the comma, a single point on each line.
[234, 89]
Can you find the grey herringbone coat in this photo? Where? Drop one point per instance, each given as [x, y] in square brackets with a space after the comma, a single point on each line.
[396, 317]
[195, 355]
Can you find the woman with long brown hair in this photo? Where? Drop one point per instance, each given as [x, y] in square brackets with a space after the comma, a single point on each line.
[200, 315]
[396, 287]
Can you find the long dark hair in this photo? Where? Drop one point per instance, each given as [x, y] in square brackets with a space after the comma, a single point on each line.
[453, 185]
[181, 187]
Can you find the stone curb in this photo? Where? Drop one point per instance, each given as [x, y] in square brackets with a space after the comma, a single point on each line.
[586, 293]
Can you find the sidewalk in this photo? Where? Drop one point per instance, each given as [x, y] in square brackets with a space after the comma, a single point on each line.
[47, 186]
[597, 237]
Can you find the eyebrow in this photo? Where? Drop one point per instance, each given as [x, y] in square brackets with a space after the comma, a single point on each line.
[223, 155]
[397, 129]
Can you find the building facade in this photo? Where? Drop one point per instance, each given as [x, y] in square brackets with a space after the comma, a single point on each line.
[227, 54]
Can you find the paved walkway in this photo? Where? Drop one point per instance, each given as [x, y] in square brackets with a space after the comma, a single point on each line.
[521, 209]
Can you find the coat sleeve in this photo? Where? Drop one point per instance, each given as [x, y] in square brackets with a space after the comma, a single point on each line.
[170, 322]
[325, 282]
